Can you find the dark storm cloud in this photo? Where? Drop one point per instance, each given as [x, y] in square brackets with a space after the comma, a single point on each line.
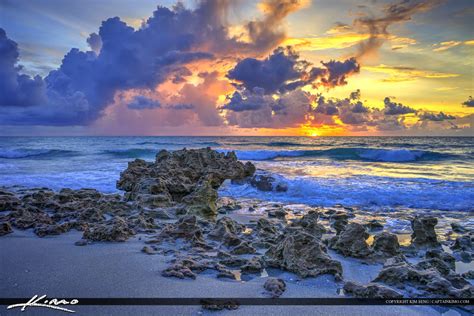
[393, 108]
[141, 103]
[469, 102]
[377, 27]
[283, 71]
[123, 58]
[17, 89]
[95, 42]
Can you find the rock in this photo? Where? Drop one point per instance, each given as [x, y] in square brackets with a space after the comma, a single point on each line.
[278, 213]
[303, 254]
[81, 242]
[45, 230]
[352, 241]
[183, 176]
[457, 228]
[281, 187]
[423, 231]
[386, 244]
[468, 275]
[219, 304]
[309, 223]
[233, 261]
[178, 271]
[186, 227]
[266, 229]
[274, 287]
[463, 243]
[226, 230]
[243, 248]
[339, 221]
[148, 250]
[5, 228]
[371, 290]
[24, 218]
[374, 225]
[116, 229]
[427, 281]
[254, 265]
[262, 182]
[226, 274]
[8, 201]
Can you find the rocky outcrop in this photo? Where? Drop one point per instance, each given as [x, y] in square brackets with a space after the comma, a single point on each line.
[371, 290]
[309, 223]
[184, 176]
[428, 282]
[265, 182]
[274, 287]
[303, 254]
[424, 231]
[227, 230]
[339, 221]
[351, 241]
[5, 228]
[386, 245]
[186, 227]
[116, 229]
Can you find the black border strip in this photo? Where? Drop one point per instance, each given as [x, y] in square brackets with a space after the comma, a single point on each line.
[255, 301]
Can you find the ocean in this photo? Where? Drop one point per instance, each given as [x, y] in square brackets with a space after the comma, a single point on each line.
[373, 173]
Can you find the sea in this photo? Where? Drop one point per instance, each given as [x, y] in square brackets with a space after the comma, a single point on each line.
[372, 173]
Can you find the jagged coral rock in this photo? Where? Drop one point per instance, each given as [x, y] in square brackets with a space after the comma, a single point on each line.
[184, 176]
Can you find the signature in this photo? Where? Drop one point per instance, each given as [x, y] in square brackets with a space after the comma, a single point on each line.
[41, 301]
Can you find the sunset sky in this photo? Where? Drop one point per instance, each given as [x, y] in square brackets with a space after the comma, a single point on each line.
[222, 67]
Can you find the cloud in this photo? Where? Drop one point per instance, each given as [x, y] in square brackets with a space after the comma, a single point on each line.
[142, 103]
[123, 58]
[445, 45]
[283, 71]
[393, 108]
[95, 42]
[377, 26]
[17, 89]
[403, 73]
[437, 117]
[469, 102]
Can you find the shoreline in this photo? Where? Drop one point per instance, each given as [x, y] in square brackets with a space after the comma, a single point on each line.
[173, 227]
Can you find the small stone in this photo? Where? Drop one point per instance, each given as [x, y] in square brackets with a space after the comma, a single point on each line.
[275, 287]
[5, 228]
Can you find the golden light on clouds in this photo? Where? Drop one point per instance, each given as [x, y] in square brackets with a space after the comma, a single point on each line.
[400, 73]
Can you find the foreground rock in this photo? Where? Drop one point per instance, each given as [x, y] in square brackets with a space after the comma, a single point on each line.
[424, 231]
[274, 287]
[427, 282]
[303, 254]
[371, 290]
[191, 177]
[352, 241]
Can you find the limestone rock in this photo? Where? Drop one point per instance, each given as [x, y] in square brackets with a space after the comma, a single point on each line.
[352, 241]
[302, 253]
[423, 231]
[184, 176]
[371, 290]
[116, 229]
[386, 244]
[275, 287]
[5, 228]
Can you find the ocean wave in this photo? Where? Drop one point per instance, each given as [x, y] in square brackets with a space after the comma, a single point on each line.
[368, 192]
[131, 153]
[189, 144]
[35, 153]
[364, 154]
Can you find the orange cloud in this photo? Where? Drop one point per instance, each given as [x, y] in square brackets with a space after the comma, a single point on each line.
[400, 73]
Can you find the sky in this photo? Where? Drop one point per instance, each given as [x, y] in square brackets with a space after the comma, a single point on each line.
[237, 67]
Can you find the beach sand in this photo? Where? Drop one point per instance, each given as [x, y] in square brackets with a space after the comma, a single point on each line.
[55, 266]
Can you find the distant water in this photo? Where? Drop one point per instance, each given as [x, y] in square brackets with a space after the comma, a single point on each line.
[370, 172]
